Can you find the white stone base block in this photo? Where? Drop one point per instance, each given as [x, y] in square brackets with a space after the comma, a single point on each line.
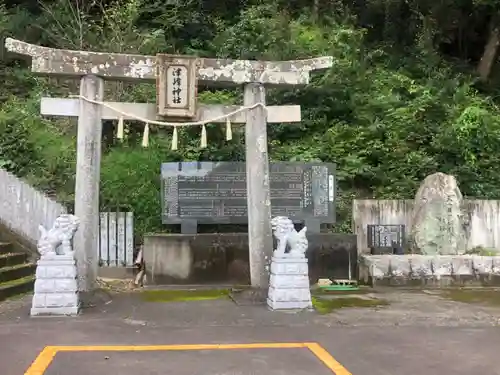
[56, 311]
[299, 305]
[289, 284]
[56, 289]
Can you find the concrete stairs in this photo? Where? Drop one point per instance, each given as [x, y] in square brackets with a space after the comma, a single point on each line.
[17, 274]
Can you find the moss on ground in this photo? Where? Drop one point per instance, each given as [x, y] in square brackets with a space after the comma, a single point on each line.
[15, 266]
[323, 292]
[6, 284]
[326, 306]
[184, 295]
[482, 296]
[479, 250]
[321, 303]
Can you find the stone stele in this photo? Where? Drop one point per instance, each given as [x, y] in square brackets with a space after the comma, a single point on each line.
[56, 290]
[289, 279]
[437, 222]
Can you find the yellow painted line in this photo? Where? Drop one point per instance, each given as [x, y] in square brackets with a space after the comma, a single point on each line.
[327, 359]
[42, 362]
[145, 348]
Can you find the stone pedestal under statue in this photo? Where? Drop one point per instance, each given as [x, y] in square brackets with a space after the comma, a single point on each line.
[289, 278]
[56, 288]
[289, 284]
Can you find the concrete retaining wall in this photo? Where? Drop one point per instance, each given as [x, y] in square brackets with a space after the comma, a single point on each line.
[223, 257]
[483, 220]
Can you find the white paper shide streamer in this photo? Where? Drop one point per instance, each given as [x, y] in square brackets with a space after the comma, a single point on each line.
[175, 125]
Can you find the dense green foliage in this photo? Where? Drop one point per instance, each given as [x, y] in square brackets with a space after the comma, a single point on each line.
[402, 100]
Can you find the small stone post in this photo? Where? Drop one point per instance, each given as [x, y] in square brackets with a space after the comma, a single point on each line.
[88, 171]
[260, 241]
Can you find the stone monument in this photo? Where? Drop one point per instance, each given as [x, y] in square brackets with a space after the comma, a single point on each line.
[198, 193]
[289, 280]
[437, 222]
[56, 290]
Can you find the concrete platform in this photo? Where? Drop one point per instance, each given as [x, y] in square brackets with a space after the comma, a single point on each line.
[131, 330]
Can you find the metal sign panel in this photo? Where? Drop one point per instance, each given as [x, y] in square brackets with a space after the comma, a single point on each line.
[216, 192]
[384, 238]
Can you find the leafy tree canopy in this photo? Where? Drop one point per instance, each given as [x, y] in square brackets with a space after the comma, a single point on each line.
[412, 91]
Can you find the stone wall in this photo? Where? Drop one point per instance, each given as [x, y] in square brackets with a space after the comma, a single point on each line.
[223, 257]
[430, 270]
[23, 209]
[483, 217]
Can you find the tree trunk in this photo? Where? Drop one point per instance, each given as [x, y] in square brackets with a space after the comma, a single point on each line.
[315, 10]
[490, 50]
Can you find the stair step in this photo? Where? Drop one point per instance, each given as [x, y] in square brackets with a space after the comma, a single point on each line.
[17, 272]
[19, 286]
[5, 247]
[12, 259]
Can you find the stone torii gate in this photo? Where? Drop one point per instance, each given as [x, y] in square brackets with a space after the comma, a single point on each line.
[94, 67]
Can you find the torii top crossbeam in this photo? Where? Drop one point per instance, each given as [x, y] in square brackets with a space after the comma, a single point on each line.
[213, 72]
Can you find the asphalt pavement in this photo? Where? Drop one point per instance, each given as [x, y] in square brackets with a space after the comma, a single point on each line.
[127, 336]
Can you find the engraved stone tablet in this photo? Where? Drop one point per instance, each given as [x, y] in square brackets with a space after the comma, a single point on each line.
[216, 192]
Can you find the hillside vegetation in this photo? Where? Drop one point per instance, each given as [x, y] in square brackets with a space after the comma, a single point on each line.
[412, 91]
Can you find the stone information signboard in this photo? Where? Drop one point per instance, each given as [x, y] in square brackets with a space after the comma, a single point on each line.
[215, 192]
